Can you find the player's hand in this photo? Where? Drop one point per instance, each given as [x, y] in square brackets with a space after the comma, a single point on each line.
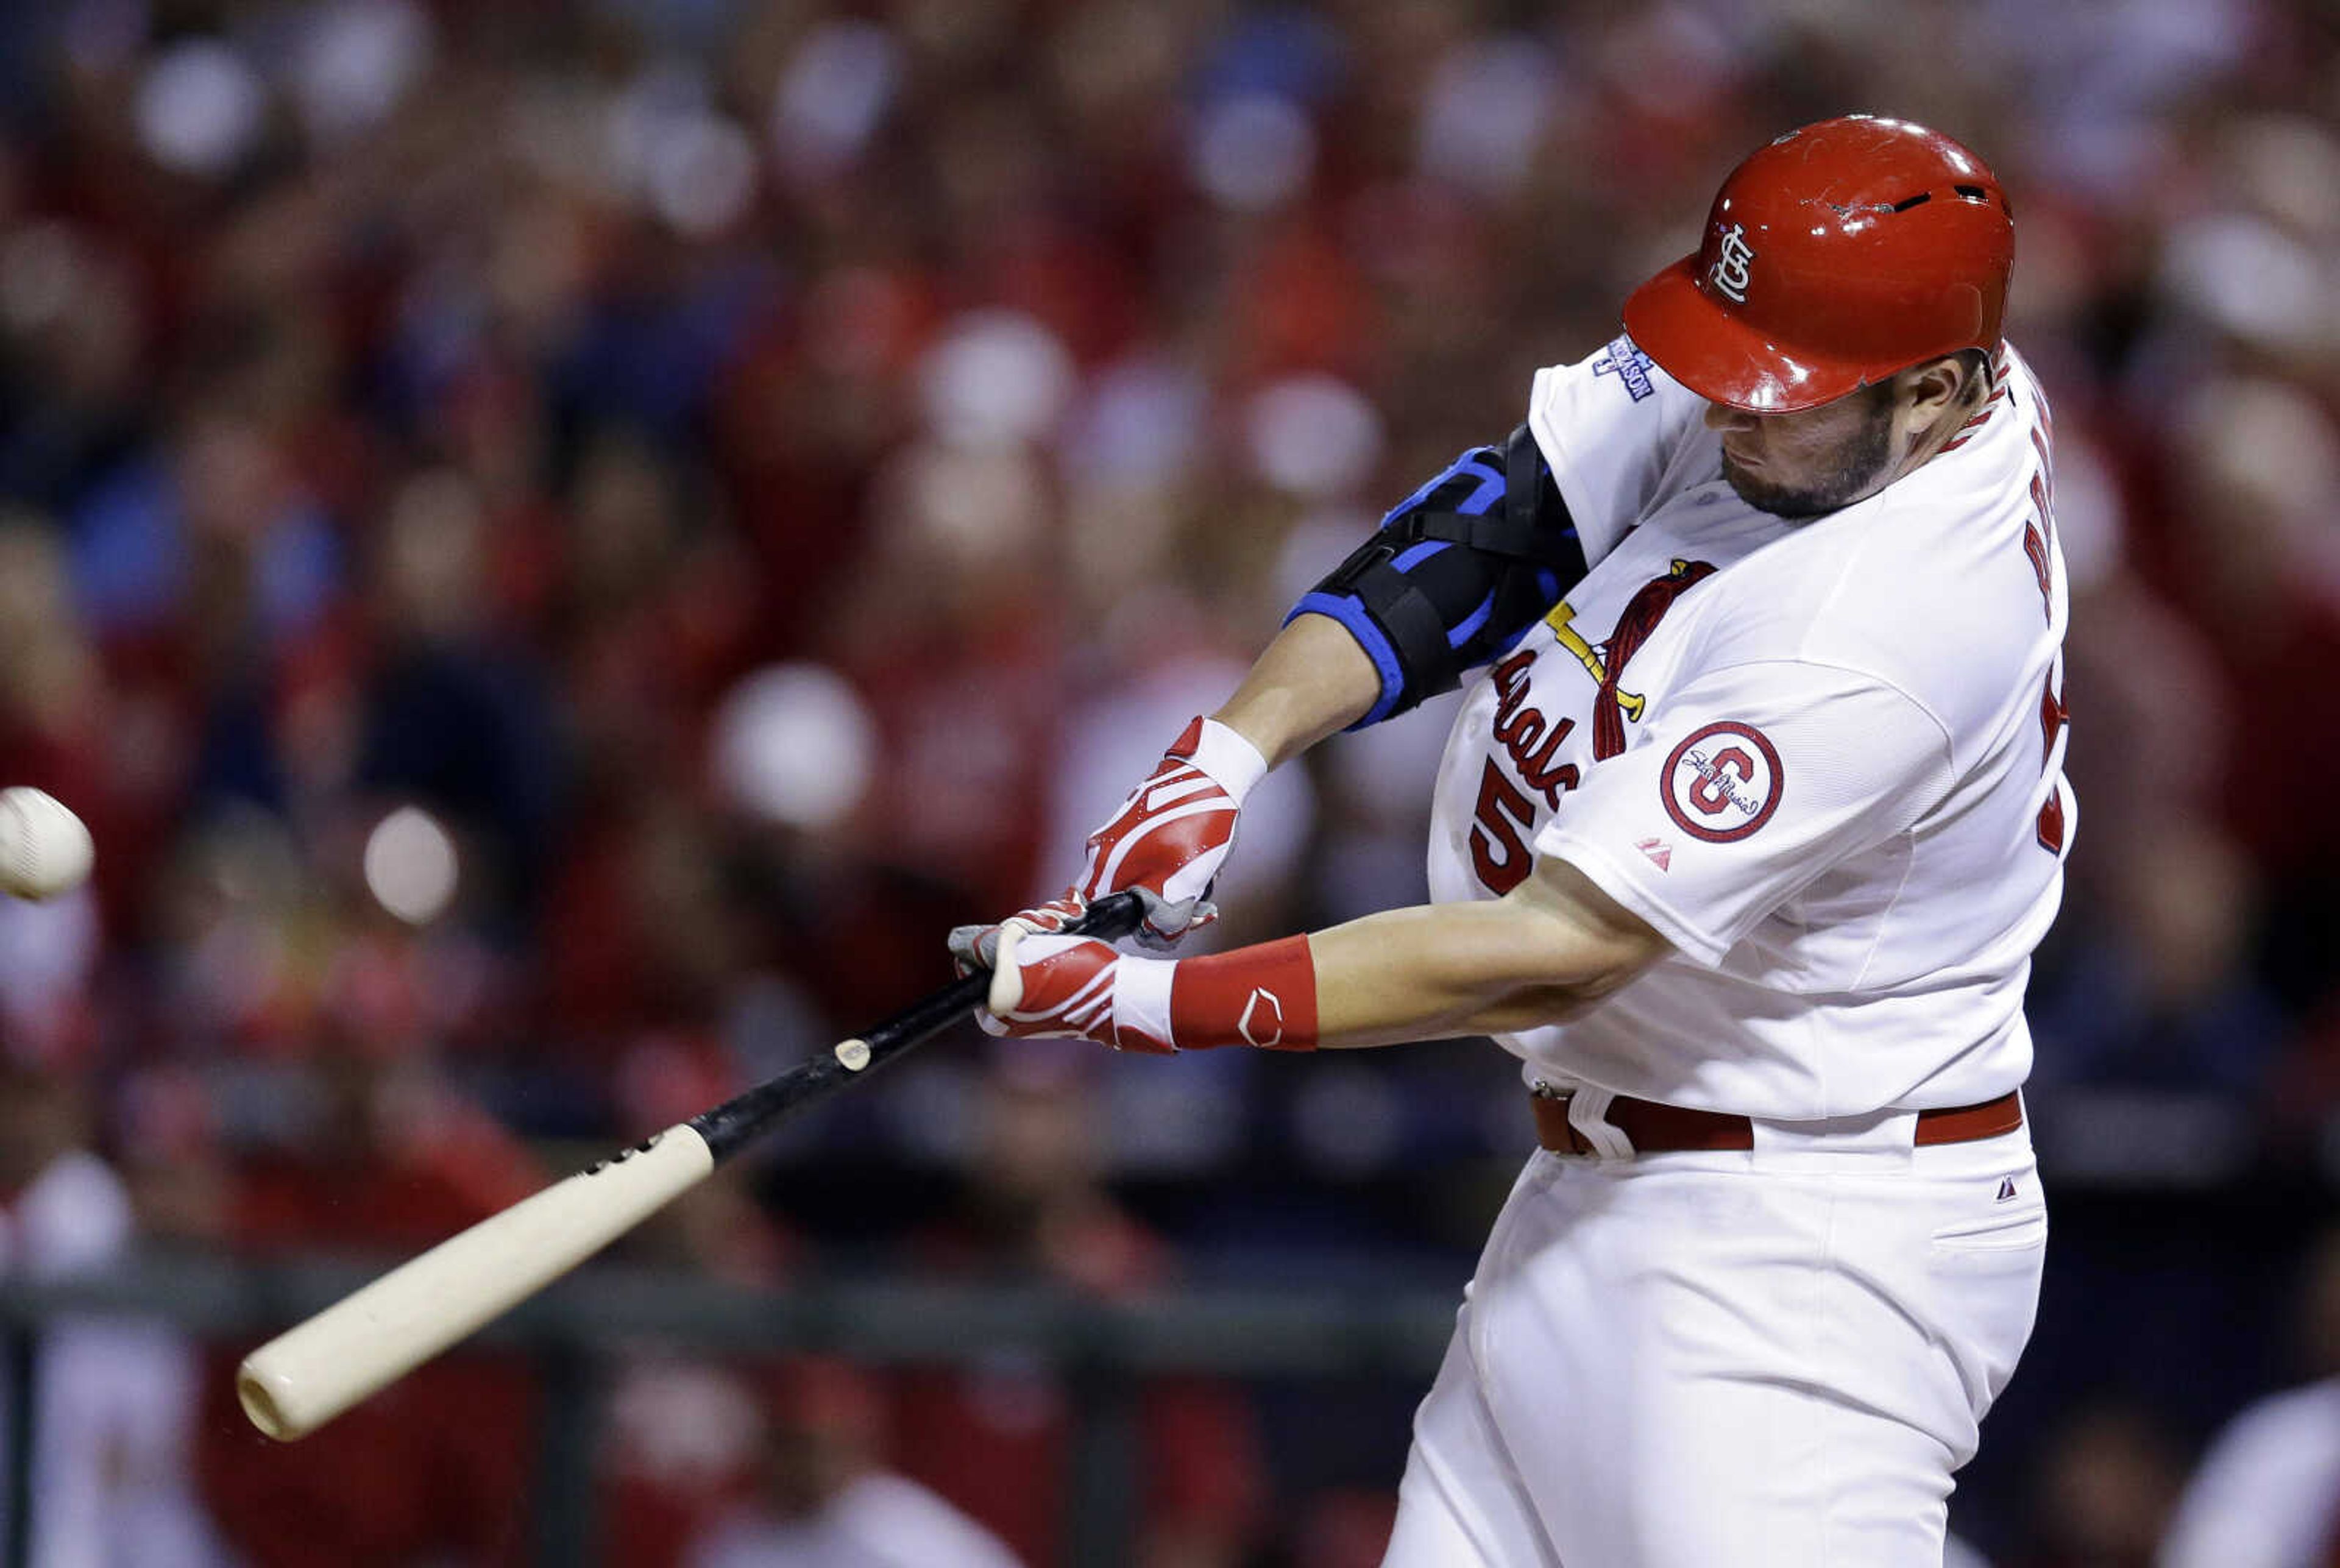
[1049, 985]
[1165, 844]
[977, 947]
[1175, 831]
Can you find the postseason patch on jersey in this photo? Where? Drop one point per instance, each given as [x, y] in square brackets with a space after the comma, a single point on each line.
[1722, 783]
[1629, 364]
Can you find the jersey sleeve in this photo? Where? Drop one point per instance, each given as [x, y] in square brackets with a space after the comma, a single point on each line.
[1610, 427]
[1752, 781]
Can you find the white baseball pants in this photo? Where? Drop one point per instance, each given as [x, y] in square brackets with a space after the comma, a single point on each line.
[1767, 1359]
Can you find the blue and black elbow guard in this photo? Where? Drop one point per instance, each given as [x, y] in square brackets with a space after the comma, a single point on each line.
[1456, 573]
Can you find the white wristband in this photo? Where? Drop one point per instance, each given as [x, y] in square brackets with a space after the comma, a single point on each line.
[1232, 763]
[1141, 996]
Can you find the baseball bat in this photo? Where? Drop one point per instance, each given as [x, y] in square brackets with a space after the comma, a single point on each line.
[313, 1372]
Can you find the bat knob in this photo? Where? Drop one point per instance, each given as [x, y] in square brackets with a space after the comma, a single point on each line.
[260, 1403]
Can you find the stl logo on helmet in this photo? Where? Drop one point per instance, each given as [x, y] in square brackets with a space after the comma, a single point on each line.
[1734, 258]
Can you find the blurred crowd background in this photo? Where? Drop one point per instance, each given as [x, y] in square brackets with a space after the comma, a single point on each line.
[559, 545]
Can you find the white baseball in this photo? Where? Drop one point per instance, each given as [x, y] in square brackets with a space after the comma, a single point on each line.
[45, 850]
[854, 1054]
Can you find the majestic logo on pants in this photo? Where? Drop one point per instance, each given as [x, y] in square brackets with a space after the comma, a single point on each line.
[1722, 783]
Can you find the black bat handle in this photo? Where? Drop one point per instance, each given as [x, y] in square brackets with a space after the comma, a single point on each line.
[740, 1120]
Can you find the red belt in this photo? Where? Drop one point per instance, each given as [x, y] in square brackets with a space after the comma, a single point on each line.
[1656, 1129]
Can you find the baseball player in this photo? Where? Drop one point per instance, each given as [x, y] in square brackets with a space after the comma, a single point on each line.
[1746, 828]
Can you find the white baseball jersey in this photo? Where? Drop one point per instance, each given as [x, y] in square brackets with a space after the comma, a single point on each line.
[1823, 759]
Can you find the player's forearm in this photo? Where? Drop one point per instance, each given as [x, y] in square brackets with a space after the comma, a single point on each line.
[1438, 970]
[1312, 681]
[1552, 947]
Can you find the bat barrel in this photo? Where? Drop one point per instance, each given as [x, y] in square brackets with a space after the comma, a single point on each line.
[304, 1377]
[307, 1375]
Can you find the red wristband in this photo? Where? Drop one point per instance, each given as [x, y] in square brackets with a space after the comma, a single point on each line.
[1264, 996]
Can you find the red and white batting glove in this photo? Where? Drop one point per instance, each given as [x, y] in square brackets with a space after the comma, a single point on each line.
[1166, 843]
[1072, 986]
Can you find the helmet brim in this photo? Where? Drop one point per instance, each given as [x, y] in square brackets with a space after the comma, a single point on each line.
[1719, 357]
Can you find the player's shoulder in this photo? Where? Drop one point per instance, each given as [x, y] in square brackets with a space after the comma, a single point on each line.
[1616, 405]
[1618, 433]
[1617, 375]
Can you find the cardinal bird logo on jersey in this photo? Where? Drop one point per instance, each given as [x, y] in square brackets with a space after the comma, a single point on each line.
[1504, 820]
[1606, 661]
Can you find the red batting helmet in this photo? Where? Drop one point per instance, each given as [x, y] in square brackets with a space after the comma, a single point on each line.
[1835, 256]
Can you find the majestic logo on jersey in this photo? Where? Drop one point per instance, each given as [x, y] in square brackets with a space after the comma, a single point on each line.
[1732, 264]
[1626, 361]
[1722, 783]
[1606, 661]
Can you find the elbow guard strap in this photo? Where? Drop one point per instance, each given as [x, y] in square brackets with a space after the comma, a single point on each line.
[1456, 573]
[1529, 522]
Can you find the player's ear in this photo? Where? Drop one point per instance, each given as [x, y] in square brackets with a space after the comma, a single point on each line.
[1939, 392]
[1936, 385]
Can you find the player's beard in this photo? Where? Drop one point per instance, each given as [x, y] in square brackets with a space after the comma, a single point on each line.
[1865, 456]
